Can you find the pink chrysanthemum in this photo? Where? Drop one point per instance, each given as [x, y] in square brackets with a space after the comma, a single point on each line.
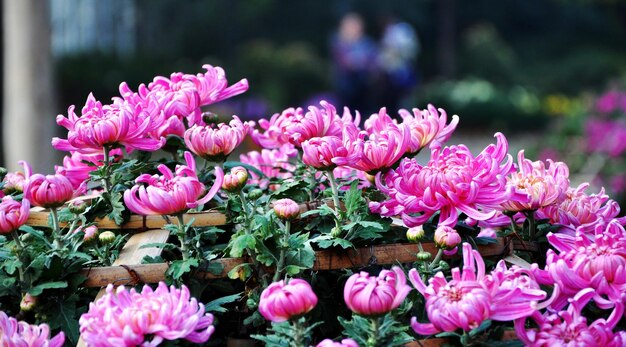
[374, 296]
[535, 185]
[170, 193]
[13, 214]
[452, 181]
[323, 152]
[215, 143]
[123, 318]
[471, 297]
[282, 301]
[273, 163]
[21, 334]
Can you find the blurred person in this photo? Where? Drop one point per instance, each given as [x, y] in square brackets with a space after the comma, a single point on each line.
[354, 57]
[399, 48]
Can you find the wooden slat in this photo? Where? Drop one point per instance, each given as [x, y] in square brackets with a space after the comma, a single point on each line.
[133, 254]
[325, 260]
[205, 218]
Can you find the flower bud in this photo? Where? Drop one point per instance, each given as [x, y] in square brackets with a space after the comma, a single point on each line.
[90, 232]
[446, 237]
[235, 180]
[77, 206]
[280, 302]
[423, 256]
[415, 234]
[210, 118]
[3, 172]
[28, 302]
[255, 194]
[106, 237]
[444, 265]
[336, 232]
[286, 209]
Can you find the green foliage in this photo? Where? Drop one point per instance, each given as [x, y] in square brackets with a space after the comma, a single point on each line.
[385, 331]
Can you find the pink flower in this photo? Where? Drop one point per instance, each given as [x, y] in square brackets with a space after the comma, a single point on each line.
[446, 237]
[348, 174]
[579, 210]
[286, 209]
[236, 179]
[295, 126]
[570, 327]
[428, 127]
[22, 334]
[471, 297]
[123, 318]
[597, 262]
[273, 163]
[76, 168]
[91, 232]
[216, 143]
[110, 125]
[375, 151]
[373, 296]
[13, 214]
[343, 343]
[14, 182]
[536, 186]
[322, 152]
[281, 302]
[452, 181]
[170, 193]
[48, 191]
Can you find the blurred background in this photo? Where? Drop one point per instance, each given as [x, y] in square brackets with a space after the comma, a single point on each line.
[533, 69]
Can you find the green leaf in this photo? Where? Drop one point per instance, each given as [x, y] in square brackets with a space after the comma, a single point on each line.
[241, 271]
[38, 289]
[117, 207]
[10, 266]
[216, 305]
[179, 268]
[327, 241]
[303, 257]
[239, 244]
[483, 326]
[64, 316]
[35, 233]
[294, 269]
[166, 246]
[215, 268]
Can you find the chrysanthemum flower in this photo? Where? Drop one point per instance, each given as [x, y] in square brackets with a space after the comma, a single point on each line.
[22, 334]
[374, 296]
[215, 143]
[123, 318]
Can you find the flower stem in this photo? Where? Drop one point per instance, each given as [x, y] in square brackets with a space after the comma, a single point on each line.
[436, 260]
[283, 251]
[107, 169]
[299, 335]
[530, 216]
[56, 232]
[20, 247]
[372, 341]
[184, 249]
[335, 190]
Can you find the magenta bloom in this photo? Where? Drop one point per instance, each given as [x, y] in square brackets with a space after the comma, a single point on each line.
[22, 334]
[281, 302]
[428, 127]
[375, 151]
[452, 181]
[216, 143]
[13, 214]
[597, 262]
[48, 191]
[374, 296]
[581, 211]
[286, 209]
[171, 193]
[91, 232]
[322, 152]
[570, 327]
[472, 297]
[273, 163]
[14, 182]
[123, 318]
[343, 343]
[110, 125]
[235, 180]
[536, 186]
[77, 171]
[295, 126]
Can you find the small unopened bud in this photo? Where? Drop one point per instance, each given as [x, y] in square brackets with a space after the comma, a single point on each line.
[444, 265]
[423, 256]
[235, 180]
[77, 206]
[255, 194]
[336, 232]
[106, 237]
[14, 182]
[446, 237]
[210, 118]
[286, 209]
[415, 234]
[90, 232]
[3, 172]
[28, 302]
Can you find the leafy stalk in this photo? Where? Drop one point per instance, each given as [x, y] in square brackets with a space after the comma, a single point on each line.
[55, 227]
[107, 170]
[335, 190]
[283, 251]
[184, 248]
